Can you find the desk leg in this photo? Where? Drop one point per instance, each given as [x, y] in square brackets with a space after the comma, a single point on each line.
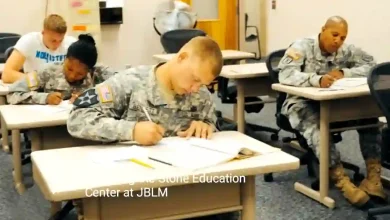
[321, 196]
[55, 207]
[4, 130]
[17, 161]
[35, 140]
[248, 198]
[240, 107]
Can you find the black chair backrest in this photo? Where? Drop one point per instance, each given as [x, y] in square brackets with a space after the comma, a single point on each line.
[9, 35]
[8, 52]
[379, 84]
[6, 42]
[272, 63]
[173, 41]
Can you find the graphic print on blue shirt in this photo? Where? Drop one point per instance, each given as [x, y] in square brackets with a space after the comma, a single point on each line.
[48, 57]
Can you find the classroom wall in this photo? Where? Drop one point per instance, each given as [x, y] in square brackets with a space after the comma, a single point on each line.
[369, 26]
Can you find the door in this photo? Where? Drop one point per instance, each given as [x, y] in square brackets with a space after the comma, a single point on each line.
[219, 19]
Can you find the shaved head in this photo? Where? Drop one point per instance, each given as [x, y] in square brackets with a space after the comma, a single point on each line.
[336, 21]
[333, 34]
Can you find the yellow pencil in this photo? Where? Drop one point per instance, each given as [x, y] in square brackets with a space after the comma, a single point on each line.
[141, 163]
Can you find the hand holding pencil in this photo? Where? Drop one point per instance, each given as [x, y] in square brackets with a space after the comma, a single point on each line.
[147, 132]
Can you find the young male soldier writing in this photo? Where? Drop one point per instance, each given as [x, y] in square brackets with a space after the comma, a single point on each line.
[318, 62]
[146, 103]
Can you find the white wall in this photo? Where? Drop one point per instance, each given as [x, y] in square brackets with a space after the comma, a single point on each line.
[369, 26]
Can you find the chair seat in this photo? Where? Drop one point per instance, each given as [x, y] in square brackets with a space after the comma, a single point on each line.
[231, 98]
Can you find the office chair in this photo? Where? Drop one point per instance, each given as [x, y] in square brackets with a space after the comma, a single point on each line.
[228, 95]
[173, 41]
[26, 153]
[252, 37]
[7, 41]
[306, 155]
[379, 84]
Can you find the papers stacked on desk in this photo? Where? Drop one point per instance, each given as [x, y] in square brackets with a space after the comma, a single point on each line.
[51, 109]
[346, 83]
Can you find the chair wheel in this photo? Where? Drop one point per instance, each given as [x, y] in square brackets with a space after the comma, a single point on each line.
[315, 185]
[358, 177]
[274, 137]
[268, 177]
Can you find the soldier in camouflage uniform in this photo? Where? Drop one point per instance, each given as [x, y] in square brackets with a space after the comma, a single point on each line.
[56, 81]
[318, 62]
[172, 94]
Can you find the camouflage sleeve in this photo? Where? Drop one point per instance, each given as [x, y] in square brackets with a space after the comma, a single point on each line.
[290, 67]
[98, 111]
[102, 73]
[361, 60]
[26, 90]
[208, 114]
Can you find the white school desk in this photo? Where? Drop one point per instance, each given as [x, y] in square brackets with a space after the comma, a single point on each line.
[251, 80]
[3, 101]
[46, 131]
[66, 174]
[335, 106]
[233, 55]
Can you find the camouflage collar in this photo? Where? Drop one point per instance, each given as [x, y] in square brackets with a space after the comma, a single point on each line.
[155, 93]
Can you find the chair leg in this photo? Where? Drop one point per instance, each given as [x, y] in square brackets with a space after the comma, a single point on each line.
[350, 166]
[379, 211]
[357, 176]
[63, 212]
[26, 160]
[263, 128]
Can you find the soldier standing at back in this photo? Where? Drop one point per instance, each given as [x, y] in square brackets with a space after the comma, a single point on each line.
[318, 62]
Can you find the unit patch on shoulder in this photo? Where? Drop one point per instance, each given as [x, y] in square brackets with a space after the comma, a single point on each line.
[105, 94]
[86, 99]
[293, 53]
[32, 80]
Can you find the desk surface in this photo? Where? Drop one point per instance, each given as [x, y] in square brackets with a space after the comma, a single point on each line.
[76, 164]
[227, 55]
[3, 87]
[24, 117]
[319, 94]
[248, 70]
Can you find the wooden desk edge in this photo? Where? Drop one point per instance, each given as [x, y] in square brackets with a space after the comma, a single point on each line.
[54, 195]
[318, 96]
[34, 125]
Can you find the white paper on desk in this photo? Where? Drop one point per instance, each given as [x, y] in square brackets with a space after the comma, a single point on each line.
[196, 153]
[51, 109]
[111, 155]
[346, 83]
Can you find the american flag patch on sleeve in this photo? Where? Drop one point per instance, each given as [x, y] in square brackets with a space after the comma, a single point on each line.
[105, 94]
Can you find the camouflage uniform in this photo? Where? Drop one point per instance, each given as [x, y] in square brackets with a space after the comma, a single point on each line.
[35, 87]
[303, 65]
[109, 112]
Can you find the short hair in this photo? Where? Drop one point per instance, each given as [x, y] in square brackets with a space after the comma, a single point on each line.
[207, 49]
[84, 50]
[55, 23]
